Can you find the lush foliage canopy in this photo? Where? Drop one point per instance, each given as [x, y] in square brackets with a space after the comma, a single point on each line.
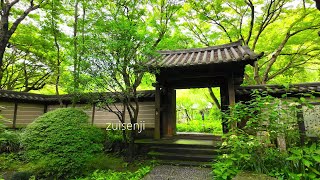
[50, 44]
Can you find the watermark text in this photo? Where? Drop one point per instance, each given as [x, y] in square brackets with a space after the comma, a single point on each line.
[139, 127]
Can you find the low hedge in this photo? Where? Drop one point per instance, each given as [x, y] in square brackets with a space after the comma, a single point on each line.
[59, 143]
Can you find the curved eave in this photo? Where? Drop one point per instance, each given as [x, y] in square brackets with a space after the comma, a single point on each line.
[227, 53]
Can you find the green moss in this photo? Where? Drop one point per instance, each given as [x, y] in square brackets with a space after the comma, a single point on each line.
[106, 162]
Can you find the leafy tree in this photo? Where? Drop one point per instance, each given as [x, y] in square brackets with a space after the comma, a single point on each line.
[28, 62]
[38, 54]
[122, 42]
[53, 21]
[285, 32]
[12, 14]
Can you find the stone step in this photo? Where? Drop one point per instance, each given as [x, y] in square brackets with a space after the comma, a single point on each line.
[183, 143]
[187, 146]
[180, 156]
[199, 136]
[188, 150]
[185, 163]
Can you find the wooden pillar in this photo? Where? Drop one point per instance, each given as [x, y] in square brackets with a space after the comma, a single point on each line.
[14, 122]
[164, 112]
[231, 92]
[157, 113]
[302, 128]
[232, 96]
[93, 113]
[168, 115]
[45, 108]
[174, 112]
[171, 112]
[224, 106]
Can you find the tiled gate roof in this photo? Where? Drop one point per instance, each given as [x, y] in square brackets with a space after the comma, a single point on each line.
[231, 52]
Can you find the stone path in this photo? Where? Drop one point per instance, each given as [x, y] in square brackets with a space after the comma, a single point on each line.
[167, 172]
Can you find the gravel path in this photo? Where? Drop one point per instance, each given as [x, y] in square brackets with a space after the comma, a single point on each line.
[167, 172]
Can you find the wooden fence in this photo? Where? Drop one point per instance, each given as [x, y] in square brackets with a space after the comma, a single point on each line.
[23, 108]
[22, 114]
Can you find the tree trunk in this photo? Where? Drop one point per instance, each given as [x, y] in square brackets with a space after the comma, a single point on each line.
[214, 98]
[55, 36]
[2, 50]
[256, 73]
[123, 120]
[188, 117]
[318, 7]
[131, 145]
[3, 42]
[133, 120]
[75, 53]
[4, 30]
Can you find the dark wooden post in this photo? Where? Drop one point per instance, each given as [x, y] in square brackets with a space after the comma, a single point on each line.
[224, 106]
[232, 96]
[157, 112]
[167, 112]
[14, 122]
[171, 111]
[174, 112]
[93, 113]
[45, 108]
[302, 128]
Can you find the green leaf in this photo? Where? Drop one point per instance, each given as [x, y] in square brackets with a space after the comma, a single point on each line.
[316, 158]
[306, 162]
[292, 158]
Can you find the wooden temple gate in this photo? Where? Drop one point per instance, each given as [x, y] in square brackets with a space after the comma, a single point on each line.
[217, 66]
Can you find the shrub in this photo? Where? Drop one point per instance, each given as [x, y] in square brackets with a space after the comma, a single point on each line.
[253, 147]
[9, 140]
[304, 163]
[60, 142]
[21, 176]
[247, 153]
[114, 141]
[11, 161]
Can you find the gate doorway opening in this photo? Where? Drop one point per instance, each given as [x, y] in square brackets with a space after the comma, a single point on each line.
[216, 66]
[197, 111]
